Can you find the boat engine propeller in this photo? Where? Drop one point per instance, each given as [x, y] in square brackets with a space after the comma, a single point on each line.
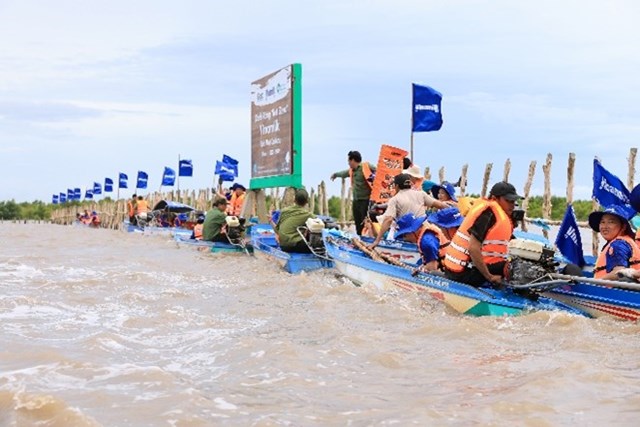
[235, 230]
[530, 261]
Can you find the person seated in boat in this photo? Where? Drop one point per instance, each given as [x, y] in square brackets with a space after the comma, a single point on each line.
[95, 219]
[131, 208]
[406, 200]
[416, 176]
[371, 224]
[291, 218]
[85, 218]
[444, 192]
[197, 232]
[621, 251]
[214, 225]
[142, 208]
[478, 251]
[432, 234]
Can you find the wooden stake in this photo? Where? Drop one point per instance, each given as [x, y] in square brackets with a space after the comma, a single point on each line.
[546, 199]
[507, 170]
[527, 190]
[485, 180]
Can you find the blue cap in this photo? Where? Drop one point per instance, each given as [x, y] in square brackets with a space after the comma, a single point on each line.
[408, 223]
[446, 186]
[446, 218]
[615, 210]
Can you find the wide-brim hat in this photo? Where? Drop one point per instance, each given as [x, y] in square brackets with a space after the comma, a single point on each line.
[446, 186]
[408, 223]
[615, 210]
[414, 171]
[446, 218]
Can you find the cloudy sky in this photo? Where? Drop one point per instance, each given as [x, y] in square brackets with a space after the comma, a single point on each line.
[92, 88]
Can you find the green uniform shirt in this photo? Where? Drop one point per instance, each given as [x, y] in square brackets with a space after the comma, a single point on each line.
[290, 218]
[361, 189]
[213, 223]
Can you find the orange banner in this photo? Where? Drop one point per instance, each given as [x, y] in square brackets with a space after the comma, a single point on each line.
[389, 165]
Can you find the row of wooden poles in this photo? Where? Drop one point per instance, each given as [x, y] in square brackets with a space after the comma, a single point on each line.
[113, 213]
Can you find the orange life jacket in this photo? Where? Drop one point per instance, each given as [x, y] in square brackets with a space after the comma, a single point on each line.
[442, 239]
[600, 269]
[366, 171]
[235, 204]
[197, 231]
[142, 206]
[494, 246]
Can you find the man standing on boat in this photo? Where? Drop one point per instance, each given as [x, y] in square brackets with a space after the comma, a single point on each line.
[289, 220]
[213, 229]
[361, 175]
[478, 251]
[406, 200]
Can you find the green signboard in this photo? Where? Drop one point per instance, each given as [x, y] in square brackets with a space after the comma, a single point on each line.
[276, 132]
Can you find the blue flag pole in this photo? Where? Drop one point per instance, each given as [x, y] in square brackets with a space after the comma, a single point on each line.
[178, 177]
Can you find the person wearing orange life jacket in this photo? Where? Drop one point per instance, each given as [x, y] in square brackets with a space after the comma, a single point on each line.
[620, 252]
[237, 199]
[198, 228]
[131, 207]
[95, 219]
[478, 251]
[432, 234]
[142, 207]
[361, 175]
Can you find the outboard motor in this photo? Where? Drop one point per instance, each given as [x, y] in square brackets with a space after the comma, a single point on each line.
[235, 229]
[314, 235]
[530, 261]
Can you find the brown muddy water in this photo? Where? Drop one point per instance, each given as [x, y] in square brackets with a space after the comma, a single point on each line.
[100, 327]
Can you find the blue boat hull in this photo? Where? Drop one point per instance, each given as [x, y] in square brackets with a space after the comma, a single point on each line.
[265, 244]
[463, 298]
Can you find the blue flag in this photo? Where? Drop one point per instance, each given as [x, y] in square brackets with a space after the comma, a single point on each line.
[97, 188]
[77, 194]
[226, 171]
[70, 194]
[609, 190]
[63, 197]
[229, 160]
[569, 242]
[427, 109]
[185, 168]
[142, 180]
[88, 194]
[168, 177]
[122, 180]
[54, 199]
[108, 185]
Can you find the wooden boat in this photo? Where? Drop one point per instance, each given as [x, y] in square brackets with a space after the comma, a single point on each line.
[352, 262]
[265, 246]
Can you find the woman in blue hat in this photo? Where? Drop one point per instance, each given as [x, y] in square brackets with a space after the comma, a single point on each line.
[444, 192]
[432, 234]
[620, 251]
